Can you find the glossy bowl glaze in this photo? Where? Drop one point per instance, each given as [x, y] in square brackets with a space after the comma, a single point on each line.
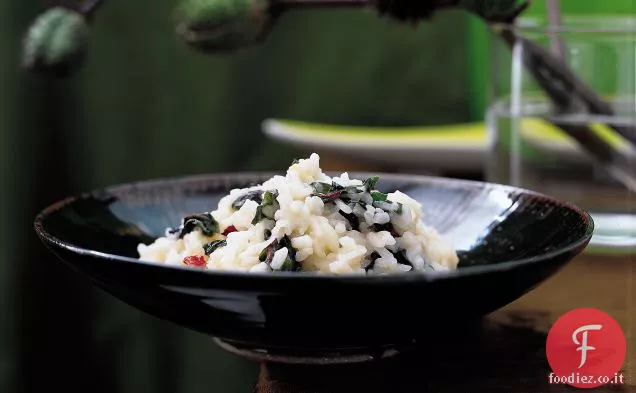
[509, 241]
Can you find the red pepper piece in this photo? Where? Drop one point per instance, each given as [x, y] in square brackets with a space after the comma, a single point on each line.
[194, 260]
[229, 230]
[271, 251]
[330, 197]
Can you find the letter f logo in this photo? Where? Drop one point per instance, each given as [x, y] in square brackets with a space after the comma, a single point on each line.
[584, 347]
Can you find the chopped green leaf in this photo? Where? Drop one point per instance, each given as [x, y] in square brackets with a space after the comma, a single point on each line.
[263, 256]
[321, 188]
[385, 227]
[388, 206]
[255, 195]
[348, 189]
[354, 221]
[259, 216]
[401, 258]
[267, 208]
[352, 190]
[209, 248]
[329, 193]
[205, 222]
[269, 197]
[371, 264]
[290, 263]
[378, 196]
[296, 161]
[285, 242]
[335, 186]
[370, 183]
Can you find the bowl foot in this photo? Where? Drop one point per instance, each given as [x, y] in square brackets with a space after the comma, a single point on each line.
[312, 356]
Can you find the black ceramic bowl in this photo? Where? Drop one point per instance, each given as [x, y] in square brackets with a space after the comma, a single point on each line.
[509, 241]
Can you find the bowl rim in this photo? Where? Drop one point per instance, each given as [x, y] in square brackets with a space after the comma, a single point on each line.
[53, 240]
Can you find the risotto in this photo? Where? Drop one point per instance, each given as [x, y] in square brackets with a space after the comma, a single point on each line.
[307, 221]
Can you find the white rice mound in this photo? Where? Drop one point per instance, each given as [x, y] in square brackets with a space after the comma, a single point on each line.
[323, 240]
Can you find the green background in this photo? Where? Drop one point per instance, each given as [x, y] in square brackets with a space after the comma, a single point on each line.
[479, 39]
[146, 106]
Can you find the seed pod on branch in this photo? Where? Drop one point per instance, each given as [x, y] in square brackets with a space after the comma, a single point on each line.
[224, 25]
[56, 42]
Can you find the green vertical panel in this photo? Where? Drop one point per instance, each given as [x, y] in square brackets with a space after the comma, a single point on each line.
[478, 42]
[9, 211]
[478, 67]
[153, 108]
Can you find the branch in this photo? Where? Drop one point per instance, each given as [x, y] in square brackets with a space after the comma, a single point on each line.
[90, 7]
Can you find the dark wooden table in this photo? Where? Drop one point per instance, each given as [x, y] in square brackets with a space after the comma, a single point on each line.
[504, 353]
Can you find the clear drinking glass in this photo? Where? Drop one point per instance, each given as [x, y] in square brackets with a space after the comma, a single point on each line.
[535, 143]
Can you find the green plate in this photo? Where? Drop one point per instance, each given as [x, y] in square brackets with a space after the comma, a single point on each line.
[428, 149]
[431, 147]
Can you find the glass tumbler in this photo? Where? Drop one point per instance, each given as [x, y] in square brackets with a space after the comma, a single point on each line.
[572, 140]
